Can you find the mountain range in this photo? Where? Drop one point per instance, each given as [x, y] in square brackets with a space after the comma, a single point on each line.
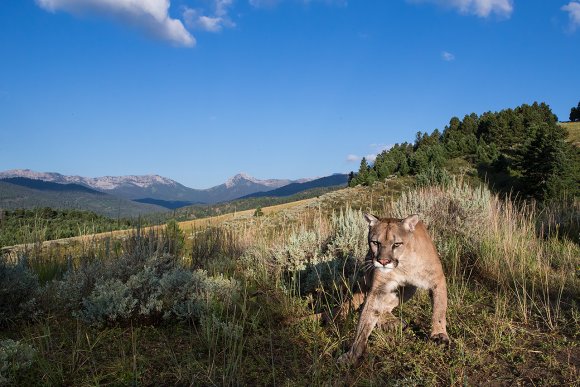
[146, 193]
[21, 192]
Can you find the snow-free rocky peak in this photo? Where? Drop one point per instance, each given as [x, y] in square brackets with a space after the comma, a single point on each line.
[99, 183]
[244, 179]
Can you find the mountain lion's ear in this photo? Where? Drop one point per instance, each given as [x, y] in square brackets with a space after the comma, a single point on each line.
[371, 220]
[410, 222]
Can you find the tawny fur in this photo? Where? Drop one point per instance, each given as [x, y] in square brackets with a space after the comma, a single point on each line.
[401, 259]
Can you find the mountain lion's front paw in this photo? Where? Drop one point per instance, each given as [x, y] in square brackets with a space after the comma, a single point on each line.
[440, 338]
[346, 359]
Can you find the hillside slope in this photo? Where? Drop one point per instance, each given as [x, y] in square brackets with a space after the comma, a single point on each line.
[573, 129]
[242, 291]
[28, 193]
[294, 188]
[157, 189]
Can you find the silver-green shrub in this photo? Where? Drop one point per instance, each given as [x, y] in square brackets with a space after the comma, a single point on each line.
[76, 285]
[189, 295]
[110, 301]
[18, 288]
[145, 289]
[159, 289]
[434, 176]
[302, 249]
[349, 233]
[314, 265]
[14, 356]
[456, 208]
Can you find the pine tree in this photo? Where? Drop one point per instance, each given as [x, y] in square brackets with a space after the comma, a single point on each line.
[575, 113]
[362, 175]
[175, 236]
[545, 170]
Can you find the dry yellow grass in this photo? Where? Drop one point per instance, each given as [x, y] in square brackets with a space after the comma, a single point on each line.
[573, 129]
[186, 226]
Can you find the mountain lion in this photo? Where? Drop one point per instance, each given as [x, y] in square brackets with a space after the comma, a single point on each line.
[401, 259]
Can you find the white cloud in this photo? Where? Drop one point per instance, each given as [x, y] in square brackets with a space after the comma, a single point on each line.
[573, 9]
[273, 3]
[447, 56]
[481, 8]
[212, 24]
[211, 21]
[379, 148]
[150, 15]
[264, 3]
[371, 158]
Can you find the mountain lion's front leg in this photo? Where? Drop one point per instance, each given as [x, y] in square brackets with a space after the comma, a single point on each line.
[438, 322]
[377, 303]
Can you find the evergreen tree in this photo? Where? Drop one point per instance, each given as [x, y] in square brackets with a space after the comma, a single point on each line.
[575, 113]
[362, 175]
[545, 168]
[175, 236]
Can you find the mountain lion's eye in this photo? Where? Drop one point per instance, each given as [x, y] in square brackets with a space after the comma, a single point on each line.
[395, 245]
[376, 243]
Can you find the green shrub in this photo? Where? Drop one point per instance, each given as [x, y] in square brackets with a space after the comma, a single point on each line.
[159, 288]
[349, 233]
[302, 249]
[330, 266]
[18, 288]
[479, 234]
[433, 176]
[109, 302]
[188, 295]
[14, 356]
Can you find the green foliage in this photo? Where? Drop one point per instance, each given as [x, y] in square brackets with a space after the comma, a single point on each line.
[362, 177]
[152, 289]
[349, 233]
[110, 301]
[525, 147]
[301, 250]
[18, 287]
[258, 212]
[575, 113]
[315, 265]
[512, 285]
[175, 237]
[14, 357]
[547, 164]
[38, 225]
[204, 211]
[433, 176]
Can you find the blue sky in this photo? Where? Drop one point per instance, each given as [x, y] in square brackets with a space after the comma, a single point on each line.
[198, 91]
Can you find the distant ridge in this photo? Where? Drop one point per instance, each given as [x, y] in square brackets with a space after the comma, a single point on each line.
[146, 188]
[49, 186]
[142, 194]
[294, 188]
[29, 193]
[169, 204]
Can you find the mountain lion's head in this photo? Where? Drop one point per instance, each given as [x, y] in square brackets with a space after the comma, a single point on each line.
[389, 239]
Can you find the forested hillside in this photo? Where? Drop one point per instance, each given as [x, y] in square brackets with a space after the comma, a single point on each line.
[29, 226]
[522, 150]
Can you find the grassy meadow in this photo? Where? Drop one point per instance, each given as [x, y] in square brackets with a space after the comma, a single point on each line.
[221, 301]
[573, 129]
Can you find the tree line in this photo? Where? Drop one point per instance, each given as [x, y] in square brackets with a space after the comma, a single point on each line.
[522, 149]
[37, 225]
[575, 113]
